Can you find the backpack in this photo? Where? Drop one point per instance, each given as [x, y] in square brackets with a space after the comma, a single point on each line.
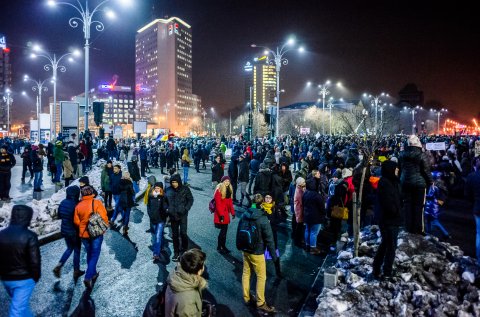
[248, 235]
[156, 304]
[212, 205]
[96, 225]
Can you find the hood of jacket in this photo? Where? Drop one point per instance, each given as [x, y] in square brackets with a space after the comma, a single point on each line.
[254, 213]
[185, 152]
[181, 281]
[152, 180]
[73, 192]
[388, 170]
[21, 215]
[176, 178]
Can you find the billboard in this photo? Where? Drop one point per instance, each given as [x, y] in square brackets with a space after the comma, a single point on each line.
[140, 127]
[69, 115]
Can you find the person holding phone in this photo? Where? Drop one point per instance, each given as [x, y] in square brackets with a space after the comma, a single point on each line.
[223, 209]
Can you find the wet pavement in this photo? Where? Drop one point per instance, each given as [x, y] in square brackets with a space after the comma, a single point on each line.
[128, 277]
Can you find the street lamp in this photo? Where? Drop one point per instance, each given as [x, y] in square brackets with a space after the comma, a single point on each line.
[438, 113]
[8, 99]
[376, 101]
[324, 92]
[86, 18]
[330, 107]
[278, 60]
[54, 66]
[38, 86]
[413, 111]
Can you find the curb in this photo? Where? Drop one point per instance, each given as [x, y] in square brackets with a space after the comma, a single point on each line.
[54, 236]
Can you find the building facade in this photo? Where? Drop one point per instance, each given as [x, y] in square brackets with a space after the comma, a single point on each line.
[163, 76]
[260, 84]
[5, 82]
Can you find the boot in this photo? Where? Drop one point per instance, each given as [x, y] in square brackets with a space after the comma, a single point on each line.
[125, 230]
[57, 270]
[77, 274]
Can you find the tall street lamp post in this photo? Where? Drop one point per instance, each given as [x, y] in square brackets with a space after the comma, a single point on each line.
[8, 100]
[376, 101]
[54, 66]
[278, 60]
[38, 86]
[438, 113]
[324, 92]
[86, 18]
[413, 111]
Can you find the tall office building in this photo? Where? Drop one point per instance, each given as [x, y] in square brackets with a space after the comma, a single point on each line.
[261, 79]
[163, 76]
[5, 81]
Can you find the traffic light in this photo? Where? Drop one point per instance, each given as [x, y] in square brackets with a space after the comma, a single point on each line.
[98, 108]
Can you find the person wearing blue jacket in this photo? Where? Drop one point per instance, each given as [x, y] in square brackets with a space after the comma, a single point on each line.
[115, 179]
[69, 232]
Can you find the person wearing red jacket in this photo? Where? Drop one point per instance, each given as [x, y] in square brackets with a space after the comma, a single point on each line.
[223, 209]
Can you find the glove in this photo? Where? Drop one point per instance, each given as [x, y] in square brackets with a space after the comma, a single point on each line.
[233, 216]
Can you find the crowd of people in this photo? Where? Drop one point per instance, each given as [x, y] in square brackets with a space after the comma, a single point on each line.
[310, 180]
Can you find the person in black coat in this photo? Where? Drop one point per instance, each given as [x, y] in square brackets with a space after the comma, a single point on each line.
[70, 232]
[415, 177]
[313, 216]
[126, 201]
[233, 174]
[7, 162]
[157, 211]
[243, 177]
[263, 181]
[390, 218]
[217, 171]
[180, 200]
[27, 163]
[163, 159]
[20, 267]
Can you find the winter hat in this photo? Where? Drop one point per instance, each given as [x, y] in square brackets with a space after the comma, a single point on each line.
[242, 156]
[414, 141]
[85, 180]
[5, 147]
[87, 190]
[300, 181]
[158, 184]
[346, 172]
[109, 161]
[224, 178]
[338, 173]
[263, 166]
[394, 159]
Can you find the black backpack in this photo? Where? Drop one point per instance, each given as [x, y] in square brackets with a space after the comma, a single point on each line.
[248, 234]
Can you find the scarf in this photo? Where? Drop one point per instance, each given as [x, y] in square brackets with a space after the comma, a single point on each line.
[268, 207]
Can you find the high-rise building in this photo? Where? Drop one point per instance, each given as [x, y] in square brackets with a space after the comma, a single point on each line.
[163, 76]
[5, 81]
[261, 79]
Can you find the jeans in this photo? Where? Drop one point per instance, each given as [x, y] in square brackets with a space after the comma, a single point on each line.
[116, 199]
[311, 233]
[386, 251]
[158, 237]
[185, 174]
[112, 154]
[436, 223]
[250, 182]
[255, 262]
[20, 292]
[477, 221]
[126, 216]
[73, 245]
[136, 189]
[93, 248]
[37, 180]
[30, 170]
[58, 173]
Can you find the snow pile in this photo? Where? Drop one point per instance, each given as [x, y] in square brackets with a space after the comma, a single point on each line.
[45, 212]
[432, 278]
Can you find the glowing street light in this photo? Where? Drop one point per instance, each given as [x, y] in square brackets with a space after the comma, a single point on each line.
[53, 65]
[39, 86]
[376, 102]
[278, 60]
[86, 18]
[438, 113]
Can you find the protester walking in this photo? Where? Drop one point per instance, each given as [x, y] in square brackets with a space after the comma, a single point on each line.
[186, 166]
[93, 245]
[107, 171]
[66, 211]
[157, 211]
[7, 162]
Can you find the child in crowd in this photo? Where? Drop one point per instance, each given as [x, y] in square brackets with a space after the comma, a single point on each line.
[435, 199]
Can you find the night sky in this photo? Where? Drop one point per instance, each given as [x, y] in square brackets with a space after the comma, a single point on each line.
[371, 46]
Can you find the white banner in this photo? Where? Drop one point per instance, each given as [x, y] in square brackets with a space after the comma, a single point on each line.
[140, 127]
[436, 146]
[118, 132]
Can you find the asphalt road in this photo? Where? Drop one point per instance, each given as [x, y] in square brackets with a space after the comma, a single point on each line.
[128, 277]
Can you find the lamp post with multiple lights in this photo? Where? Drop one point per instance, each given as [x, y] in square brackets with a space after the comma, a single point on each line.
[54, 66]
[39, 86]
[8, 99]
[86, 18]
[277, 59]
[438, 113]
[376, 102]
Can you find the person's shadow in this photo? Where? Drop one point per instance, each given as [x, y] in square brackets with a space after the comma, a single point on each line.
[86, 306]
[123, 247]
